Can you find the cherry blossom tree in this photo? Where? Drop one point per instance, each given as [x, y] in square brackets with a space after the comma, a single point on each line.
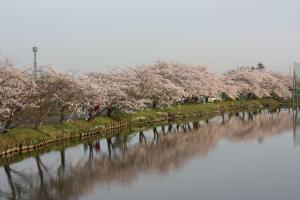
[256, 81]
[70, 95]
[16, 92]
[155, 88]
[130, 89]
[111, 90]
[56, 89]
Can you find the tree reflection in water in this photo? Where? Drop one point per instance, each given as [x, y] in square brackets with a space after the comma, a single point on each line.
[160, 149]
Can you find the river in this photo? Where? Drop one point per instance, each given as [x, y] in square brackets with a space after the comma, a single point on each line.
[246, 155]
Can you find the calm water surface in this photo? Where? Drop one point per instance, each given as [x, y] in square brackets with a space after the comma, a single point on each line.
[251, 155]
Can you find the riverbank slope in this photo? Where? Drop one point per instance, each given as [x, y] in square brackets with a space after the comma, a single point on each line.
[26, 139]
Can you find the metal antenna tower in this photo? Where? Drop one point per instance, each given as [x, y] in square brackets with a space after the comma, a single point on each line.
[34, 49]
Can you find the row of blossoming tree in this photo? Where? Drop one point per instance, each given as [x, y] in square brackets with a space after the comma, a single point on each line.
[131, 89]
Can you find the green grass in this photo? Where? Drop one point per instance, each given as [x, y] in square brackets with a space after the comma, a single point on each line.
[190, 110]
[29, 136]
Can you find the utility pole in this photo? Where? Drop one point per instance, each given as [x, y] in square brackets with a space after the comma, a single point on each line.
[34, 49]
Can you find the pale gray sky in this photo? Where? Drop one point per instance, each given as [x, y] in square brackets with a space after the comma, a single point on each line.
[96, 34]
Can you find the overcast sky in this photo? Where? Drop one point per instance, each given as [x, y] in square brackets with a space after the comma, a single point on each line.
[98, 34]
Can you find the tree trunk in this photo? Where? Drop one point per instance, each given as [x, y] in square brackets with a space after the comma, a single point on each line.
[125, 143]
[155, 133]
[223, 119]
[154, 104]
[63, 159]
[7, 126]
[142, 138]
[62, 115]
[38, 124]
[109, 147]
[40, 170]
[163, 130]
[195, 125]
[109, 111]
[90, 117]
[42, 115]
[195, 99]
[9, 178]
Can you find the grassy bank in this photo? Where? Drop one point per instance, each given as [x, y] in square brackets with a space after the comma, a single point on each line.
[29, 137]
